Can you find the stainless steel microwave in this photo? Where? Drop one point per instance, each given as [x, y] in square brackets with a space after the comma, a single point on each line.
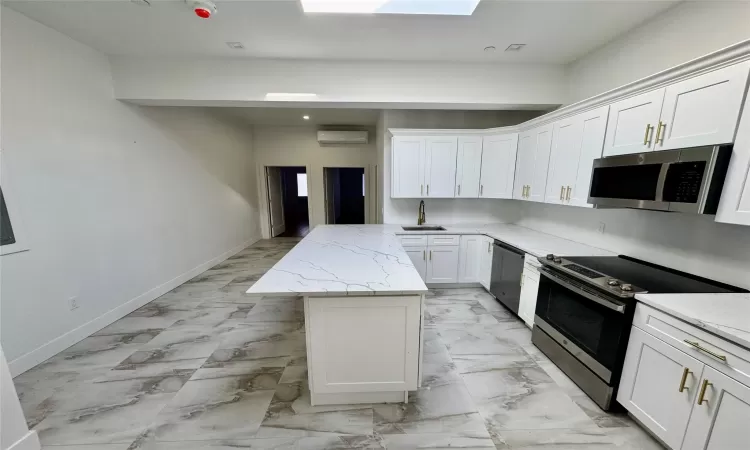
[685, 180]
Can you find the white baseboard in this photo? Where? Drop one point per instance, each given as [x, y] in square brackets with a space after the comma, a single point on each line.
[60, 343]
[30, 441]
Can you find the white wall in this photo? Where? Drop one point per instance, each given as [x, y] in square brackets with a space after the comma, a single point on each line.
[119, 203]
[686, 242]
[15, 434]
[404, 211]
[688, 30]
[298, 146]
[359, 83]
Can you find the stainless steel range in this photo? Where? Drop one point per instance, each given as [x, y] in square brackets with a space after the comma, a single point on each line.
[584, 313]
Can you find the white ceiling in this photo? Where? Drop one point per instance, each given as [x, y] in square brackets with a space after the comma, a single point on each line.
[555, 31]
[293, 116]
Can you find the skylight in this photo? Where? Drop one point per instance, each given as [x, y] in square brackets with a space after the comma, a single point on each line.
[432, 7]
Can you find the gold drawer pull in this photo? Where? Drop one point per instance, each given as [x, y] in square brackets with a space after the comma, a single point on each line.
[567, 193]
[659, 136]
[562, 193]
[685, 374]
[649, 133]
[697, 345]
[702, 395]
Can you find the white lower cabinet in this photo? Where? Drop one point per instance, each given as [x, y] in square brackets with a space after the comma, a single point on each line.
[469, 258]
[689, 401]
[721, 421]
[442, 264]
[529, 291]
[418, 256]
[485, 262]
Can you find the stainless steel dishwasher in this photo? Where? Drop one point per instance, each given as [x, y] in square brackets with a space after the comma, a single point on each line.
[507, 269]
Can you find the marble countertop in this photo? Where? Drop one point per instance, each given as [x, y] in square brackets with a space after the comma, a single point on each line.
[726, 315]
[530, 241]
[344, 260]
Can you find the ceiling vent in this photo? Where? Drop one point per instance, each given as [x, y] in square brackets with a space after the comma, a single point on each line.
[342, 137]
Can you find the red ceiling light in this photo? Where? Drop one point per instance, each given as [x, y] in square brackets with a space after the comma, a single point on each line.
[203, 8]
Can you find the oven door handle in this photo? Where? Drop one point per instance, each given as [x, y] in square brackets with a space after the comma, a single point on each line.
[620, 308]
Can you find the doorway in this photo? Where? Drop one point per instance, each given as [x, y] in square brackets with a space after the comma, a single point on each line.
[288, 209]
[344, 195]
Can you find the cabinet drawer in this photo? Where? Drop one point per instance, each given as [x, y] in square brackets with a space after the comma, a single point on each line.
[440, 239]
[676, 332]
[414, 241]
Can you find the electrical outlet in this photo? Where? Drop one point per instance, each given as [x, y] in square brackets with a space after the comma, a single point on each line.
[602, 225]
[73, 303]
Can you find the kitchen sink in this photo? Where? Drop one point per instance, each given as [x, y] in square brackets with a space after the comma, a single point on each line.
[424, 228]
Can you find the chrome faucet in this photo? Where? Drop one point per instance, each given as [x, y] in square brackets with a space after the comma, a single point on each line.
[420, 214]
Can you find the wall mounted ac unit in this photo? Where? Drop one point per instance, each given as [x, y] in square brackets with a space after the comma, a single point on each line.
[342, 137]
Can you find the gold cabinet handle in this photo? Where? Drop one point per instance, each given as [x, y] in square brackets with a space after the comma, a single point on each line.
[424, 255]
[488, 246]
[459, 189]
[430, 255]
[428, 189]
[702, 395]
[562, 193]
[481, 189]
[698, 346]
[649, 133]
[685, 373]
[659, 129]
[421, 189]
[567, 193]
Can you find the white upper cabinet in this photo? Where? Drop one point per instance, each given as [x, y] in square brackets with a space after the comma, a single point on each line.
[408, 167]
[593, 127]
[734, 206]
[524, 164]
[632, 124]
[702, 110]
[532, 162]
[563, 163]
[541, 163]
[440, 176]
[498, 165]
[468, 166]
[720, 420]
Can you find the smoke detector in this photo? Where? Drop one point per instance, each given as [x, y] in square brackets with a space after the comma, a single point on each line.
[202, 8]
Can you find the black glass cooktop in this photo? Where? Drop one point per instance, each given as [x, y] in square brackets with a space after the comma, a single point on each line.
[651, 277]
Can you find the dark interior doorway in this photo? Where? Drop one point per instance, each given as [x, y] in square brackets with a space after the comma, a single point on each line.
[287, 198]
[344, 195]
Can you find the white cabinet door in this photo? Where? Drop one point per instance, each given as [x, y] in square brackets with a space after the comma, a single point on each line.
[563, 162]
[408, 167]
[721, 421]
[468, 166]
[650, 386]
[593, 127]
[485, 264]
[440, 175]
[469, 258]
[529, 291]
[703, 110]
[524, 164]
[418, 256]
[734, 206]
[357, 345]
[442, 264]
[632, 123]
[498, 165]
[541, 163]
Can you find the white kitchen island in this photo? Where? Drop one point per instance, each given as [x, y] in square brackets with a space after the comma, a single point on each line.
[363, 303]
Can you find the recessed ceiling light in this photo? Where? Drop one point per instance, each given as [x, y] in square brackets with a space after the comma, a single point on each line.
[235, 45]
[515, 47]
[290, 96]
[306, 117]
[490, 49]
[430, 7]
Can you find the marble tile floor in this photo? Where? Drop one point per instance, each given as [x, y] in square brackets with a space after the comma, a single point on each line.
[205, 367]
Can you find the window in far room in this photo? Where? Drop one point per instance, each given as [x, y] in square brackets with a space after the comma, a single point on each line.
[6, 229]
[301, 185]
